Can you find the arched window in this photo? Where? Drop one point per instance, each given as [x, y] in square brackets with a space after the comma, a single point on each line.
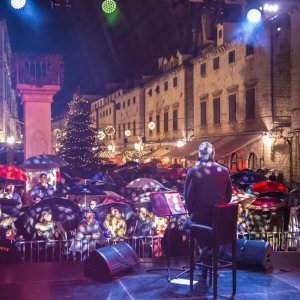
[234, 162]
[252, 161]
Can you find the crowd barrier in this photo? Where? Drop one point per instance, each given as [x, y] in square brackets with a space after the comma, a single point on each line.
[146, 247]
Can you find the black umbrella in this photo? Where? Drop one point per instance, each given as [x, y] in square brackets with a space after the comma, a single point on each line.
[64, 211]
[131, 163]
[8, 207]
[86, 189]
[250, 178]
[43, 162]
[104, 209]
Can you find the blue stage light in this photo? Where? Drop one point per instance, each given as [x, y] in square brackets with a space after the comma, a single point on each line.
[254, 15]
[18, 4]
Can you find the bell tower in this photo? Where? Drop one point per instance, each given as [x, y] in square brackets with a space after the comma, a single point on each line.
[37, 78]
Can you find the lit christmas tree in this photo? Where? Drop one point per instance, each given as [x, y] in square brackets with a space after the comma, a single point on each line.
[79, 138]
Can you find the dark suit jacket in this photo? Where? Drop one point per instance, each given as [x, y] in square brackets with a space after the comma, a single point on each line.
[206, 185]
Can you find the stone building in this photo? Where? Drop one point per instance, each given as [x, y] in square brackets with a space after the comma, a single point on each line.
[103, 113]
[169, 104]
[242, 97]
[130, 118]
[9, 125]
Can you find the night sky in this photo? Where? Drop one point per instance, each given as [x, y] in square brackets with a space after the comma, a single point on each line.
[97, 50]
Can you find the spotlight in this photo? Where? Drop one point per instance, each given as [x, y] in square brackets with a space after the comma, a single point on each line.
[254, 15]
[273, 8]
[109, 6]
[18, 4]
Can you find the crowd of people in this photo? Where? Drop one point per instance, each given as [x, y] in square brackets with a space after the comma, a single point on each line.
[118, 215]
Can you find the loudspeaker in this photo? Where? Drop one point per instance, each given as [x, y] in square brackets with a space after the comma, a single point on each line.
[250, 253]
[103, 263]
[256, 253]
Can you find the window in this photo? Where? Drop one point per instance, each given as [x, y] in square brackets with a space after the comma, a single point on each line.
[119, 131]
[249, 49]
[157, 124]
[128, 126]
[217, 117]
[232, 108]
[166, 85]
[216, 63]
[150, 92]
[124, 128]
[128, 102]
[220, 33]
[106, 112]
[118, 106]
[175, 83]
[203, 120]
[203, 69]
[250, 104]
[133, 100]
[134, 128]
[150, 131]
[166, 121]
[124, 104]
[231, 56]
[157, 89]
[175, 120]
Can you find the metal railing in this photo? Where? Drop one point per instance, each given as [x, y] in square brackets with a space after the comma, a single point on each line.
[146, 247]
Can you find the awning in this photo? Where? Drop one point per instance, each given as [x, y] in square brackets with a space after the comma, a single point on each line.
[158, 153]
[230, 144]
[190, 148]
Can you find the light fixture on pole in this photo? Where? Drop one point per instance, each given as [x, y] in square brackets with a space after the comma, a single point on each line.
[127, 133]
[151, 125]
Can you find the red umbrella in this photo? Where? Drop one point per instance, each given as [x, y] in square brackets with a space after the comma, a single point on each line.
[267, 203]
[13, 173]
[268, 186]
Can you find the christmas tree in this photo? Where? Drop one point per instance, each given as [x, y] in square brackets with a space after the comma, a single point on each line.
[79, 138]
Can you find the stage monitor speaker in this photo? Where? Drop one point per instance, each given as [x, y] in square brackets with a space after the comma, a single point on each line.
[256, 253]
[104, 263]
[250, 253]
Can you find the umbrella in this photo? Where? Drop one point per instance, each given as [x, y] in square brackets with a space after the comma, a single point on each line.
[267, 203]
[176, 166]
[84, 189]
[131, 163]
[237, 176]
[13, 173]
[43, 162]
[126, 172]
[63, 210]
[268, 186]
[8, 207]
[105, 208]
[250, 178]
[144, 183]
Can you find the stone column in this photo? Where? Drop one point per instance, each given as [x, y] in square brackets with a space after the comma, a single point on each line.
[37, 118]
[37, 77]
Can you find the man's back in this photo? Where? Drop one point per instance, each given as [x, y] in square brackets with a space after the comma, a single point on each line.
[206, 185]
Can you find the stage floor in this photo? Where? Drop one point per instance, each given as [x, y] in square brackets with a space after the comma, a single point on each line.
[60, 281]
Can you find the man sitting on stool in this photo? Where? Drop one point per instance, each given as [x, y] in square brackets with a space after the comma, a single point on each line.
[207, 185]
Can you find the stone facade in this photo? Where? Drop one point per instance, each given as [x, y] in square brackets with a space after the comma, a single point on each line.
[130, 121]
[169, 103]
[244, 87]
[295, 107]
[8, 104]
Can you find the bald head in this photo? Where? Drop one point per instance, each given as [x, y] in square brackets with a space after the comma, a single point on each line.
[206, 151]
